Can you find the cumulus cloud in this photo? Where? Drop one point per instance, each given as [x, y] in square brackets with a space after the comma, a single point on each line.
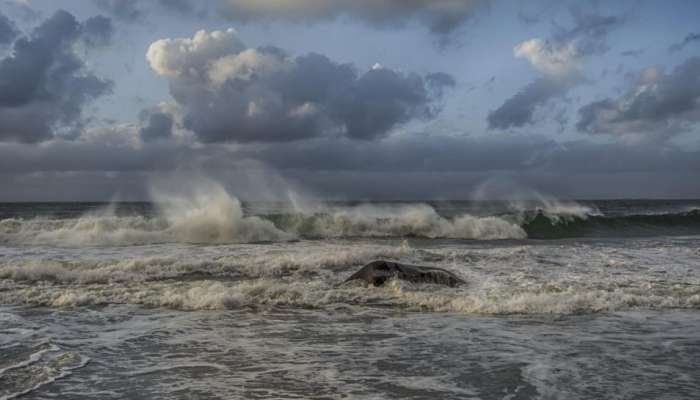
[440, 16]
[559, 60]
[550, 58]
[44, 85]
[658, 105]
[229, 92]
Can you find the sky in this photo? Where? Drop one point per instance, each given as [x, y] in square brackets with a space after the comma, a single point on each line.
[350, 99]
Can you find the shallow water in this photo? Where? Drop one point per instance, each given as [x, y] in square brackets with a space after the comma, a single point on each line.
[99, 301]
[347, 353]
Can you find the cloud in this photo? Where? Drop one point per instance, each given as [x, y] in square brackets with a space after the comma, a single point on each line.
[400, 154]
[632, 53]
[559, 65]
[44, 84]
[8, 31]
[97, 31]
[179, 6]
[559, 60]
[417, 167]
[440, 16]
[550, 58]
[21, 10]
[658, 106]
[519, 110]
[229, 92]
[589, 32]
[123, 10]
[690, 38]
[156, 125]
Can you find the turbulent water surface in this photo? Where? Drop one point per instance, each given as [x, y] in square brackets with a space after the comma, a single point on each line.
[207, 298]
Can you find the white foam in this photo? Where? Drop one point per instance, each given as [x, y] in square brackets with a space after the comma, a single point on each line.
[523, 279]
[207, 216]
[302, 260]
[419, 220]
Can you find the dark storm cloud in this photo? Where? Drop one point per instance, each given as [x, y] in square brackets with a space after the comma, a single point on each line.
[156, 125]
[690, 38]
[659, 105]
[8, 31]
[97, 31]
[558, 59]
[229, 92]
[124, 10]
[518, 110]
[44, 84]
[440, 16]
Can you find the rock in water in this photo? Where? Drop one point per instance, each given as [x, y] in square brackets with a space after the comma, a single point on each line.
[378, 272]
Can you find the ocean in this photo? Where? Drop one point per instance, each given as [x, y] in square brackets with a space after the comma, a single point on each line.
[210, 298]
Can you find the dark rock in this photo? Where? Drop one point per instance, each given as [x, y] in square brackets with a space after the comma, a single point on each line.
[378, 272]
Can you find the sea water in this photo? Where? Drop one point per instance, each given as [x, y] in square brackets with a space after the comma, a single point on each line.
[206, 297]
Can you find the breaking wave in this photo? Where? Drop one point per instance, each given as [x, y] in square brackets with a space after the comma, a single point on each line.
[212, 216]
[209, 215]
[419, 220]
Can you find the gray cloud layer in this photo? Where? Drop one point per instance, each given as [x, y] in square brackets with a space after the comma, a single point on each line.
[44, 85]
[399, 167]
[424, 154]
[658, 105]
[229, 92]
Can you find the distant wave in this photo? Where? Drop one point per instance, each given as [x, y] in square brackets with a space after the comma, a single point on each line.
[208, 216]
[420, 220]
[539, 225]
[225, 223]
[212, 216]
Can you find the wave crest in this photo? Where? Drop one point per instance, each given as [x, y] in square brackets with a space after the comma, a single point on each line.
[419, 220]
